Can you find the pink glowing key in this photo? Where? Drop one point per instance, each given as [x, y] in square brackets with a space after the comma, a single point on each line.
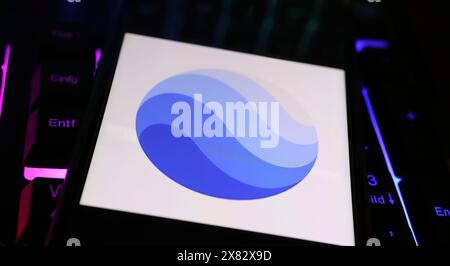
[31, 173]
[24, 210]
[4, 72]
[98, 55]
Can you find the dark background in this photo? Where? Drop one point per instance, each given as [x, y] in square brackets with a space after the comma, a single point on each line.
[407, 84]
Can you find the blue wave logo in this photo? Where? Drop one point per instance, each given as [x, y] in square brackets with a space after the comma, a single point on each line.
[221, 134]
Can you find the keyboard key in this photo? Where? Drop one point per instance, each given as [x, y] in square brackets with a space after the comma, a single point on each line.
[60, 90]
[36, 206]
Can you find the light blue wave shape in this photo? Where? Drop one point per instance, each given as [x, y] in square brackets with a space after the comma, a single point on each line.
[286, 154]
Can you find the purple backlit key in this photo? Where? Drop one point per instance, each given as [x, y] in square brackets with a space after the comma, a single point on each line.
[61, 86]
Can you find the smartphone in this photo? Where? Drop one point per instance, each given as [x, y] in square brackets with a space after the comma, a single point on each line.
[186, 144]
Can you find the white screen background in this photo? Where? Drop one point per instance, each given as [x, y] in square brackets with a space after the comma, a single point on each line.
[122, 178]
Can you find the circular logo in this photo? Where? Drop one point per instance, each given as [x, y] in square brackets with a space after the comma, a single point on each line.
[221, 134]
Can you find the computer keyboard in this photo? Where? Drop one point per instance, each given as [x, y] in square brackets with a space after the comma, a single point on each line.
[60, 88]
[391, 221]
[387, 209]
[62, 82]
[64, 51]
[405, 179]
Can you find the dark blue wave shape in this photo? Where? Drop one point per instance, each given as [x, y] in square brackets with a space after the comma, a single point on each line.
[182, 161]
[225, 167]
[156, 110]
[230, 156]
[212, 89]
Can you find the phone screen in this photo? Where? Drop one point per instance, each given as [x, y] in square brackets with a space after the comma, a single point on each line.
[224, 138]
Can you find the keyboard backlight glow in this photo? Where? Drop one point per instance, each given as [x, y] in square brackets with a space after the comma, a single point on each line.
[30, 173]
[387, 160]
[98, 55]
[4, 72]
[361, 44]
